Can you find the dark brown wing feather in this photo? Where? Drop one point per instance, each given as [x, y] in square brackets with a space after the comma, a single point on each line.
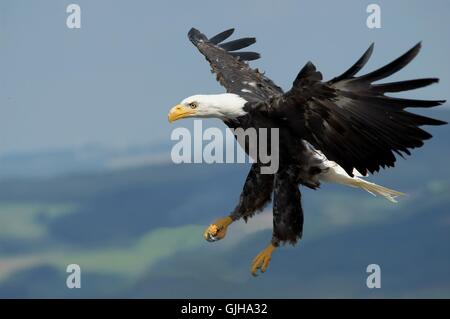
[351, 120]
[231, 68]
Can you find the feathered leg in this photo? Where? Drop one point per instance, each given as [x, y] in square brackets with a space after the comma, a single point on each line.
[287, 216]
[255, 195]
[287, 208]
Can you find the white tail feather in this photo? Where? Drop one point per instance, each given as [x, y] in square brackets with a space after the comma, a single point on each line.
[337, 174]
[376, 189]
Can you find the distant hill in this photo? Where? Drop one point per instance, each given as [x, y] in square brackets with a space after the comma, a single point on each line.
[90, 158]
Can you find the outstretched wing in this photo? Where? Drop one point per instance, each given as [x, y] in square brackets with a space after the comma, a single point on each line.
[231, 67]
[351, 120]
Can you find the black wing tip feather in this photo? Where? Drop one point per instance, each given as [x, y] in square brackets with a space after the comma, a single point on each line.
[310, 72]
[357, 66]
[439, 122]
[307, 70]
[196, 36]
[238, 44]
[222, 36]
[246, 56]
[413, 52]
[231, 47]
[382, 72]
[394, 66]
[401, 86]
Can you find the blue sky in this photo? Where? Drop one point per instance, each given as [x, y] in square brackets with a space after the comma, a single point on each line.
[112, 82]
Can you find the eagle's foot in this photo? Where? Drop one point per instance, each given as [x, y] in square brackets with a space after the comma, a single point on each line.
[218, 229]
[261, 261]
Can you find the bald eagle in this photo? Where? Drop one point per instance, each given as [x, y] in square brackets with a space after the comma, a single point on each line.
[335, 131]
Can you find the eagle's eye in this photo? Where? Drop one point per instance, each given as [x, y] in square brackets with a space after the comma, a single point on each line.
[193, 105]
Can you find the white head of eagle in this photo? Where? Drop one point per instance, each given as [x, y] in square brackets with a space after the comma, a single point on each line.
[337, 131]
[223, 106]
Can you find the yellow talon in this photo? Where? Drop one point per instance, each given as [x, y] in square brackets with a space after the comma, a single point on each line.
[218, 229]
[262, 260]
[213, 229]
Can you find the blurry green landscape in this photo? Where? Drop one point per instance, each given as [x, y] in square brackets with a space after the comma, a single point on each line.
[136, 231]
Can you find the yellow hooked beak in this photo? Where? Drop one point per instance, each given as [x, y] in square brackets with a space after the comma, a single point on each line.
[180, 111]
